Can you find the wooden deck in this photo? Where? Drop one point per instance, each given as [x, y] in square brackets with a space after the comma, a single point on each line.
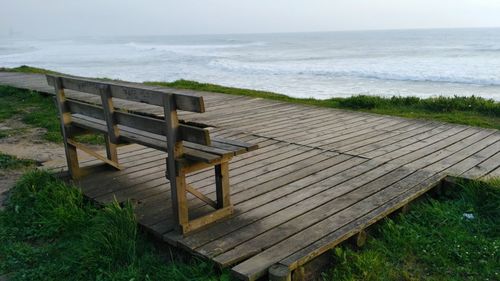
[319, 176]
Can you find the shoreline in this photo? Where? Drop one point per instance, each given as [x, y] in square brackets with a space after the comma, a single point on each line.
[466, 110]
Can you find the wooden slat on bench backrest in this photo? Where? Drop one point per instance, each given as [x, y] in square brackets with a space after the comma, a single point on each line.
[137, 93]
[148, 139]
[140, 122]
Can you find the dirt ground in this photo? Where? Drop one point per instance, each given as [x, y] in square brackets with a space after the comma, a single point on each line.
[24, 141]
[27, 142]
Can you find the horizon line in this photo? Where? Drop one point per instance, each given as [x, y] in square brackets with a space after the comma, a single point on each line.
[261, 33]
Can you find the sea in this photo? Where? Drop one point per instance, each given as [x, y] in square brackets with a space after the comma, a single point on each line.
[423, 63]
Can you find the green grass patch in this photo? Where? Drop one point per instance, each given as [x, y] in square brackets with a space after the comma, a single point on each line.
[456, 237]
[34, 109]
[9, 162]
[37, 110]
[49, 232]
[474, 111]
[28, 69]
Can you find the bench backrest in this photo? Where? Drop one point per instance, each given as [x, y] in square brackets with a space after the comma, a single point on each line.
[168, 126]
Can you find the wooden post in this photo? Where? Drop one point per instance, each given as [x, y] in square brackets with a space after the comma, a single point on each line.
[313, 268]
[279, 272]
[111, 149]
[177, 178]
[360, 238]
[65, 120]
[113, 132]
[222, 185]
[406, 208]
[180, 204]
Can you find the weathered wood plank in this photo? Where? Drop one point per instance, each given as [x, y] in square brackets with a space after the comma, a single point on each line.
[485, 167]
[137, 93]
[450, 150]
[382, 136]
[280, 192]
[495, 174]
[256, 266]
[428, 130]
[247, 248]
[275, 173]
[144, 123]
[126, 151]
[338, 235]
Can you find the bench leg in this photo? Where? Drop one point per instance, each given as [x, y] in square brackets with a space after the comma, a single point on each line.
[222, 185]
[179, 189]
[72, 160]
[179, 201]
[111, 150]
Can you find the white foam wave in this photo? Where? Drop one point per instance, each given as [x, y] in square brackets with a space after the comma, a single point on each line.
[190, 47]
[403, 71]
[303, 65]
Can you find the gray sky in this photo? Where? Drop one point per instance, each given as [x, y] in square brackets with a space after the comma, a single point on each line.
[151, 17]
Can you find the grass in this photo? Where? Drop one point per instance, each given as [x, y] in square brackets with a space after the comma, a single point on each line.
[36, 110]
[28, 69]
[49, 232]
[473, 111]
[9, 162]
[434, 241]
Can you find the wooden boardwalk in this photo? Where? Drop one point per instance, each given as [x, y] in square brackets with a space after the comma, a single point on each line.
[319, 176]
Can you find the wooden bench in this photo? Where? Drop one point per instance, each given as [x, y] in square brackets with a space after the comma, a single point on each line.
[188, 145]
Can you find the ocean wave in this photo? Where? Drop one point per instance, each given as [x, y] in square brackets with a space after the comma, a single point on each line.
[9, 52]
[343, 71]
[317, 65]
[493, 50]
[190, 47]
[429, 78]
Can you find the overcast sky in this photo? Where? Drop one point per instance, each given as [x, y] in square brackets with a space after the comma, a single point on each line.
[152, 17]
